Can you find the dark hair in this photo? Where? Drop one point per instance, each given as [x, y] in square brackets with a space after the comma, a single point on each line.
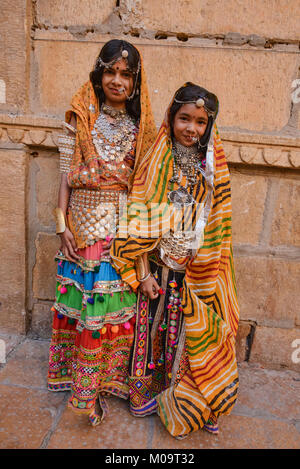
[190, 92]
[110, 51]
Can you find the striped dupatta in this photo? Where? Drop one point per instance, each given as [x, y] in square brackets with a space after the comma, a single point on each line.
[209, 297]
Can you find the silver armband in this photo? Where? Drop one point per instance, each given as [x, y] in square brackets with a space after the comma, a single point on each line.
[66, 145]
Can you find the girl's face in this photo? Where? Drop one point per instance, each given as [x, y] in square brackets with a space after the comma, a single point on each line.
[117, 84]
[190, 123]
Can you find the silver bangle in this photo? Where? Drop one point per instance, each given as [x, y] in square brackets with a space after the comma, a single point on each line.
[146, 278]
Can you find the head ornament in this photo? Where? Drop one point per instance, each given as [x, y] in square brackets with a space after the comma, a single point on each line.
[208, 101]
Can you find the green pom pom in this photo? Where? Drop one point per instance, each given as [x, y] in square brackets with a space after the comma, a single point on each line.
[96, 335]
[97, 268]
[71, 321]
[101, 299]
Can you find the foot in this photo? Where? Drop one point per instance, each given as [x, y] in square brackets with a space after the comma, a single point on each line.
[211, 425]
[147, 409]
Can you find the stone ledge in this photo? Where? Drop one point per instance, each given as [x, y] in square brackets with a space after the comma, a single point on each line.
[271, 150]
[206, 41]
[29, 130]
[261, 149]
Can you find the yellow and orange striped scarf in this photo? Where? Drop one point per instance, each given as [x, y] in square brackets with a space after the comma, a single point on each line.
[209, 297]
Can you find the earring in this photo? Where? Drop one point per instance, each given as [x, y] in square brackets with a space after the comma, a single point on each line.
[200, 145]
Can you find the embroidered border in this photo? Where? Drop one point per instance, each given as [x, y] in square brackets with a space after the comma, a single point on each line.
[107, 286]
[116, 317]
[140, 351]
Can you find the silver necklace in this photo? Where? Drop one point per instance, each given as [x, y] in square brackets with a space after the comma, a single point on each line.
[185, 158]
[189, 161]
[113, 140]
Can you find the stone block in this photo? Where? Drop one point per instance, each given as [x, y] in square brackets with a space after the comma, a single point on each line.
[72, 431]
[276, 348]
[234, 75]
[13, 65]
[268, 290]
[27, 426]
[47, 186]
[261, 392]
[286, 221]
[41, 320]
[74, 12]
[27, 365]
[219, 17]
[248, 202]
[57, 59]
[10, 341]
[236, 432]
[13, 239]
[44, 271]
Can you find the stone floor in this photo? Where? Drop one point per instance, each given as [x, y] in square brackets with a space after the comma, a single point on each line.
[266, 416]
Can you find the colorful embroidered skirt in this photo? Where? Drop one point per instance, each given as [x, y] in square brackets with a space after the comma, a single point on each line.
[93, 327]
[160, 376]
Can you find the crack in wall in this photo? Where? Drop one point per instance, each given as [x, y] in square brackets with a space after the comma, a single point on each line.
[249, 340]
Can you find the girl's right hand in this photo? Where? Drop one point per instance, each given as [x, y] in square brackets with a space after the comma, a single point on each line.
[150, 288]
[68, 245]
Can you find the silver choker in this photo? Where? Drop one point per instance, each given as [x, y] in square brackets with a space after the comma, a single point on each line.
[113, 112]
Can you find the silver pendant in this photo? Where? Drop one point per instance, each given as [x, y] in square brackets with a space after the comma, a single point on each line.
[181, 197]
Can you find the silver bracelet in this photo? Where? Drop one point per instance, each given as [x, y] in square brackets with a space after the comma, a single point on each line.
[146, 278]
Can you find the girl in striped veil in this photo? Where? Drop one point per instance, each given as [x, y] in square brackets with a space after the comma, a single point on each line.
[176, 252]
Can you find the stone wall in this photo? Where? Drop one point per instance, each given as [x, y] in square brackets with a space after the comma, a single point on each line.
[245, 51]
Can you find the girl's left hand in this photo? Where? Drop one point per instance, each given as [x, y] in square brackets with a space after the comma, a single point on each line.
[150, 288]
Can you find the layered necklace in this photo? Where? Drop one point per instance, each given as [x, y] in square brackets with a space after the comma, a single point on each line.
[113, 140]
[188, 160]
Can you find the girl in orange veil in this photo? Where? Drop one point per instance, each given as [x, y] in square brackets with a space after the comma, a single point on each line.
[109, 128]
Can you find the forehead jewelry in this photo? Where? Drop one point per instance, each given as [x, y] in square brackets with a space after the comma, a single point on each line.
[123, 55]
[200, 102]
